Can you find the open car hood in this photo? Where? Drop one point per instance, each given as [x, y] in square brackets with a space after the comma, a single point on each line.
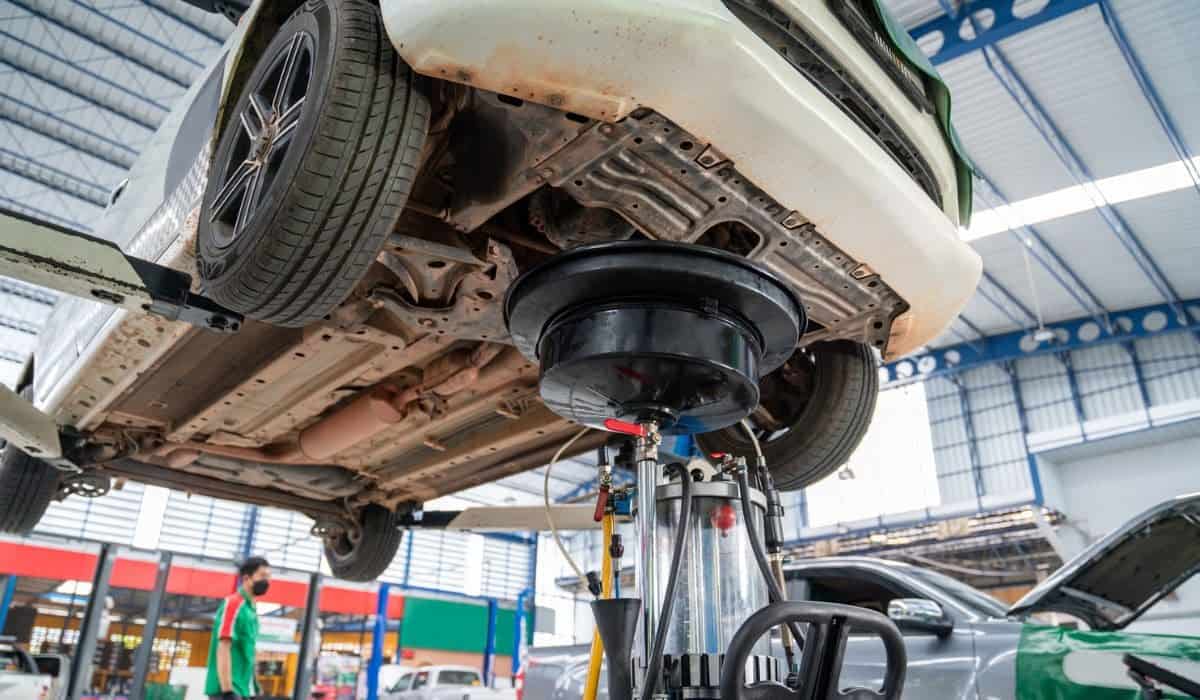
[1114, 581]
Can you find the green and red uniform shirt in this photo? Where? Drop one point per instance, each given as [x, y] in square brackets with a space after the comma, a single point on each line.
[236, 621]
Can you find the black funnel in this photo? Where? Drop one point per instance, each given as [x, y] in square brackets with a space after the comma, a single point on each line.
[617, 620]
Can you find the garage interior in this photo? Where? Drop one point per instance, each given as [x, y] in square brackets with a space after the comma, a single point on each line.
[1062, 402]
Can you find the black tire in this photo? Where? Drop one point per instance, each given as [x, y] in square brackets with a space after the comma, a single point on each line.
[27, 485]
[326, 177]
[370, 556]
[823, 398]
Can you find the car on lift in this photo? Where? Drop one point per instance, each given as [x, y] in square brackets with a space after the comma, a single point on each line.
[364, 181]
[963, 643]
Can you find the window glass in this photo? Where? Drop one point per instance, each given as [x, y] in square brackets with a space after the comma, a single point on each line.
[456, 677]
[402, 683]
[969, 597]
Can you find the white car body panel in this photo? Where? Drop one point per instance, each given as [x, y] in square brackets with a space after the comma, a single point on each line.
[695, 62]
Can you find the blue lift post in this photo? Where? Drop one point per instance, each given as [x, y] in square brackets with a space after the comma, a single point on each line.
[519, 631]
[10, 587]
[489, 645]
[378, 634]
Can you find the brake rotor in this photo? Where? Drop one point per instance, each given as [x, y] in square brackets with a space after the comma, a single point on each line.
[674, 333]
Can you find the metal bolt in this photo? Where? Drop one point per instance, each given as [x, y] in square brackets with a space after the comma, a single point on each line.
[606, 129]
[426, 323]
[546, 173]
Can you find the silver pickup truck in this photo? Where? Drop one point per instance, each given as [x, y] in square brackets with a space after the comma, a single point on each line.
[24, 676]
[434, 682]
[962, 643]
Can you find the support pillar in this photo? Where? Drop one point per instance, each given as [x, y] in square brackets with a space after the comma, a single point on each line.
[141, 660]
[85, 648]
[308, 640]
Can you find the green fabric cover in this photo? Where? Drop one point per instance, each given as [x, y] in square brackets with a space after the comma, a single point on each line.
[1042, 651]
[903, 42]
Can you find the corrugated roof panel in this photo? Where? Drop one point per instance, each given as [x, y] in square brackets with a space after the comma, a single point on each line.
[1046, 392]
[1074, 69]
[1086, 243]
[1163, 35]
[1171, 366]
[1004, 258]
[1107, 383]
[505, 568]
[203, 526]
[109, 518]
[1169, 227]
[911, 13]
[285, 538]
[997, 134]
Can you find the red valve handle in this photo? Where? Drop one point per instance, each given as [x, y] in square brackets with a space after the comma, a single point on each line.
[624, 427]
[601, 504]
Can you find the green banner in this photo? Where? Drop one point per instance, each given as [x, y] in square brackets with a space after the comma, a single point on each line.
[1061, 664]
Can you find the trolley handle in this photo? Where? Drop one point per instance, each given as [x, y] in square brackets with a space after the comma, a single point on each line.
[823, 647]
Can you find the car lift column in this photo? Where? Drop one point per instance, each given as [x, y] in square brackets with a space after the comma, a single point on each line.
[85, 647]
[141, 660]
[378, 636]
[308, 652]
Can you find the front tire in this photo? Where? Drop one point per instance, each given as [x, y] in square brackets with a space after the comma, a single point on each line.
[313, 167]
[366, 558]
[813, 413]
[27, 486]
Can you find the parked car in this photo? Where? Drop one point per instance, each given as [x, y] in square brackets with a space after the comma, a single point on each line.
[24, 676]
[364, 181]
[963, 643]
[429, 682]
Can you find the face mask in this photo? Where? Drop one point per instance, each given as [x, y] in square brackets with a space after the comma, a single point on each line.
[260, 587]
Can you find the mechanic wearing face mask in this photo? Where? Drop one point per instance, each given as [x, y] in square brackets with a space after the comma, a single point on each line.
[235, 634]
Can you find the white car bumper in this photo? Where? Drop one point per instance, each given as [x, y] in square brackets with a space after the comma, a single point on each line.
[695, 62]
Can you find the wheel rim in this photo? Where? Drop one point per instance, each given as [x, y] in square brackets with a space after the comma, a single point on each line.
[785, 394]
[266, 127]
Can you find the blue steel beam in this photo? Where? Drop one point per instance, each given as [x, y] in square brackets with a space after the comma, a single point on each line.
[1143, 322]
[378, 634]
[1064, 358]
[1044, 255]
[1150, 93]
[1053, 137]
[35, 212]
[489, 642]
[1035, 477]
[1005, 301]
[53, 127]
[137, 33]
[105, 43]
[53, 178]
[964, 407]
[167, 9]
[1005, 24]
[1136, 361]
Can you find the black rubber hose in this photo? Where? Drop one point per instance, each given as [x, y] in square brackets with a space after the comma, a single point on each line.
[654, 663]
[760, 553]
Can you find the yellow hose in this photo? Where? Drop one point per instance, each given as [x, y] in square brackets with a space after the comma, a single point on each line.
[606, 582]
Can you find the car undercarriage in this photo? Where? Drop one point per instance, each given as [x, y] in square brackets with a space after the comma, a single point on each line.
[504, 185]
